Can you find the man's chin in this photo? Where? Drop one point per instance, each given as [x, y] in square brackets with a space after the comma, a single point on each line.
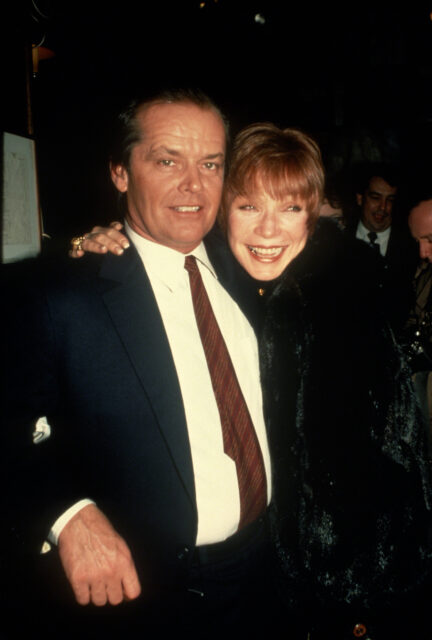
[187, 242]
[381, 224]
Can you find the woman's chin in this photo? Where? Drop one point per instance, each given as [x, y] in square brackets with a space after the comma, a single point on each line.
[264, 273]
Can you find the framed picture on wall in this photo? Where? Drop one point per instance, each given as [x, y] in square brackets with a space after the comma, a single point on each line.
[20, 219]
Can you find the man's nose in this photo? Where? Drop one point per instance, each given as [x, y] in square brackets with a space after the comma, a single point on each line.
[191, 180]
[382, 206]
[267, 225]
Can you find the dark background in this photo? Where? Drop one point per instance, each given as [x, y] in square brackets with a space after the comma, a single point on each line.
[359, 78]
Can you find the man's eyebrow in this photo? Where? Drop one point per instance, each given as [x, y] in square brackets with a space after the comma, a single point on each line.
[176, 153]
[379, 193]
[214, 156]
[171, 152]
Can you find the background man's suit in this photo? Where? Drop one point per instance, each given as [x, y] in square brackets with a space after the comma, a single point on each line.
[396, 272]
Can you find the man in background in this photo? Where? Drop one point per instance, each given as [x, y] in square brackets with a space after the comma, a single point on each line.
[378, 222]
[419, 326]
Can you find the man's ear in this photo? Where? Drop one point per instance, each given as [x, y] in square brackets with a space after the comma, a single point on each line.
[359, 199]
[119, 176]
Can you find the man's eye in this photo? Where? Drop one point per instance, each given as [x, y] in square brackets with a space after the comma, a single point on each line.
[212, 166]
[164, 162]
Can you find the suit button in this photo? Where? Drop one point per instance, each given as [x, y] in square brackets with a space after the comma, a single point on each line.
[359, 630]
[183, 553]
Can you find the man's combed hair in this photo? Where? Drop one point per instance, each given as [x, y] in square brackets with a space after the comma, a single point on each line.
[385, 170]
[127, 132]
[283, 162]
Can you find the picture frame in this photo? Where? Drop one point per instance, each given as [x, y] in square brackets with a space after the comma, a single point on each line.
[20, 219]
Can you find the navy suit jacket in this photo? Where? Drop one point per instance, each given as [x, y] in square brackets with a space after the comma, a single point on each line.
[92, 356]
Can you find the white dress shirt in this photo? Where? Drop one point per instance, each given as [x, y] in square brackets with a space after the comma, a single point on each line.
[216, 485]
[382, 238]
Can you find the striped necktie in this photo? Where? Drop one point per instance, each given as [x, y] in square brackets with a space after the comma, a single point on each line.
[239, 436]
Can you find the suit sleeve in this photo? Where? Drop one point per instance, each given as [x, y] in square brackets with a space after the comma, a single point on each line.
[37, 474]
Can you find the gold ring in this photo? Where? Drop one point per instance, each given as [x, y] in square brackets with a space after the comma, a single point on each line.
[77, 242]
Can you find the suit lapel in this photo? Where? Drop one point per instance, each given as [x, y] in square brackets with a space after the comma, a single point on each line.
[390, 245]
[130, 302]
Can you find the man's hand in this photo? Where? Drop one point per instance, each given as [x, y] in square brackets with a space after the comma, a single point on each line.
[101, 240]
[97, 561]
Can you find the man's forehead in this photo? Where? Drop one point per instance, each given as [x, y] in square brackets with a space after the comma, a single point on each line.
[422, 214]
[380, 185]
[180, 123]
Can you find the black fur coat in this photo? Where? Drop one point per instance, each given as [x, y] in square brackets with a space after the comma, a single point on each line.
[351, 479]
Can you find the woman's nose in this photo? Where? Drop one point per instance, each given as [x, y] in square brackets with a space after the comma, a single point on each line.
[267, 225]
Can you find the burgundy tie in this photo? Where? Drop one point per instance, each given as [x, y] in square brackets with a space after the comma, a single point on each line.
[240, 440]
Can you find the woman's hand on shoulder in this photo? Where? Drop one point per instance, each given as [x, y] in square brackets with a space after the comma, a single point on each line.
[100, 240]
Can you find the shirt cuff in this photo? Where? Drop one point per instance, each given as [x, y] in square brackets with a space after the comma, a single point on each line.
[62, 521]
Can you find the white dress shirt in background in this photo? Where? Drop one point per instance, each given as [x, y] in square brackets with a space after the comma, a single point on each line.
[382, 238]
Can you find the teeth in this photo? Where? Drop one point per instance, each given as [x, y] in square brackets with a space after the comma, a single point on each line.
[187, 209]
[271, 252]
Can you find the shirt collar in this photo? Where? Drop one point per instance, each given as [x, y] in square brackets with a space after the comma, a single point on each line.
[362, 233]
[164, 263]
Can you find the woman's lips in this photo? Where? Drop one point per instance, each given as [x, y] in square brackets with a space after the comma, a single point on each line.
[266, 254]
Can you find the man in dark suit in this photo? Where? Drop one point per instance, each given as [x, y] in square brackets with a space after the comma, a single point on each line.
[420, 224]
[127, 462]
[419, 326]
[378, 224]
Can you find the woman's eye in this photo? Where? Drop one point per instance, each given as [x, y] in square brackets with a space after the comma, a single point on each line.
[247, 207]
[293, 208]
